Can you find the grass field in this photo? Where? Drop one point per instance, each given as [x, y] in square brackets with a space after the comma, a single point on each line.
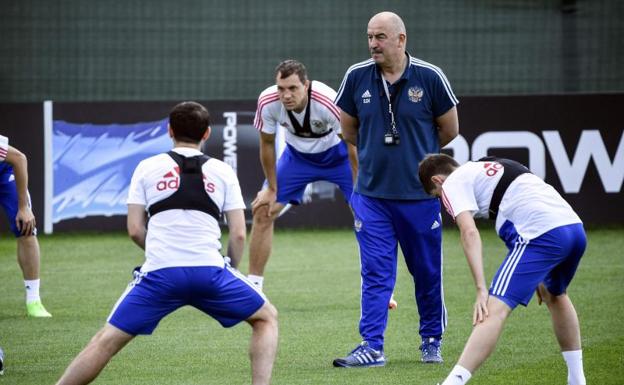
[313, 279]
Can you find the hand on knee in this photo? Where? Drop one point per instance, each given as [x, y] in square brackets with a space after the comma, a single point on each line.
[498, 309]
[261, 216]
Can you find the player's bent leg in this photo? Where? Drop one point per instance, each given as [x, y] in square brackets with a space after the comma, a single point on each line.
[94, 357]
[564, 319]
[568, 332]
[28, 256]
[263, 345]
[484, 336]
[261, 238]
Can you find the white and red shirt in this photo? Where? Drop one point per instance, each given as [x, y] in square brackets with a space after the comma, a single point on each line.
[183, 237]
[4, 147]
[533, 206]
[324, 116]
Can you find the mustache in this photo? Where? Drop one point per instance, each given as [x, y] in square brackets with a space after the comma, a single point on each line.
[376, 51]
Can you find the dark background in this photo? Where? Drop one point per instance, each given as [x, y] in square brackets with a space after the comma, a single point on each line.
[515, 64]
[138, 50]
[567, 114]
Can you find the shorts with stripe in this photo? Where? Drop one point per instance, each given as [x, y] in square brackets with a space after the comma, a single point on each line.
[295, 170]
[551, 258]
[8, 196]
[222, 293]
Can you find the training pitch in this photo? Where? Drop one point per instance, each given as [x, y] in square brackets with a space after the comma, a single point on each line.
[313, 280]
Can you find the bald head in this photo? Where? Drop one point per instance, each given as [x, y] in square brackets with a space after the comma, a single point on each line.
[389, 21]
[386, 41]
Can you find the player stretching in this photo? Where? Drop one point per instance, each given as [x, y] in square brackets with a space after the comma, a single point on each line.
[183, 264]
[545, 239]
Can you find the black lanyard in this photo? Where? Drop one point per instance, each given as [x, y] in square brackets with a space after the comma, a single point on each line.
[392, 134]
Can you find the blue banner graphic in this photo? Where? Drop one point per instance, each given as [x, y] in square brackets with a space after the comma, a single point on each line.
[93, 165]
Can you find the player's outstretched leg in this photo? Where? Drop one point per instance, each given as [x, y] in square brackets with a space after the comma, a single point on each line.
[94, 357]
[263, 345]
[481, 343]
[28, 258]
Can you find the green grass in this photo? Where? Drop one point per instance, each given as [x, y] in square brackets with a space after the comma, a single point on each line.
[313, 279]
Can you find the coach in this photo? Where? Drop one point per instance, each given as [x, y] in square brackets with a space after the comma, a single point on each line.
[396, 109]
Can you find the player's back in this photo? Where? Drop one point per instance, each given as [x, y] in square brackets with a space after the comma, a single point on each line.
[183, 237]
[535, 207]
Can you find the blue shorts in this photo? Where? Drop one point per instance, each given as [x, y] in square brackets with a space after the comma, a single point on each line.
[224, 294]
[8, 196]
[551, 258]
[295, 170]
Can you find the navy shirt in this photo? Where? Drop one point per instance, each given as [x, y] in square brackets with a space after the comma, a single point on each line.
[391, 171]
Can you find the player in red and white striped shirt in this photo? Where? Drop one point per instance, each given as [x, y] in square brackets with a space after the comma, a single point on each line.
[314, 151]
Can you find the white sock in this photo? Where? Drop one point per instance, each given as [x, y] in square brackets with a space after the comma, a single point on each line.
[32, 290]
[458, 376]
[574, 360]
[257, 280]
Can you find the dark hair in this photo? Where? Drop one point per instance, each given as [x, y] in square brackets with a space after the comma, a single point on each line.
[289, 67]
[435, 164]
[189, 122]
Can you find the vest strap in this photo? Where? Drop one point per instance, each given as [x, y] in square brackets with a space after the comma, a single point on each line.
[191, 193]
[512, 170]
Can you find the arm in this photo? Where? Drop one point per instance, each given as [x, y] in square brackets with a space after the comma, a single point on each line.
[471, 243]
[349, 125]
[448, 126]
[25, 218]
[268, 195]
[238, 232]
[353, 159]
[137, 220]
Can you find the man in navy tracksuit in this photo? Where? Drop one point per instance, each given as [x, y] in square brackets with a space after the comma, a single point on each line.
[396, 109]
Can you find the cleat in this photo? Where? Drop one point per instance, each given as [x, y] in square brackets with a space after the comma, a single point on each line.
[431, 351]
[361, 357]
[1, 362]
[393, 304]
[36, 309]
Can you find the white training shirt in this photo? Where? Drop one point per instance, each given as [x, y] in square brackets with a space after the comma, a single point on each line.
[183, 237]
[4, 147]
[533, 206]
[324, 116]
